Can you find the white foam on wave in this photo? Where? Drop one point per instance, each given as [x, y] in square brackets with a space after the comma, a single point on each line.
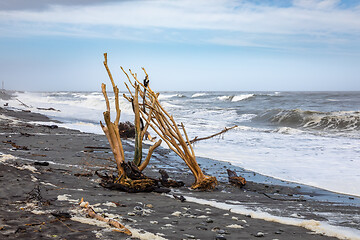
[225, 98]
[80, 110]
[167, 105]
[246, 117]
[289, 155]
[167, 96]
[198, 95]
[288, 130]
[315, 226]
[242, 97]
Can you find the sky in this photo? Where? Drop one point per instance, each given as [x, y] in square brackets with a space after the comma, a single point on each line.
[188, 45]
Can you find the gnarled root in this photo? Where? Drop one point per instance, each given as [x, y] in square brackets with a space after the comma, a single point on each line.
[206, 183]
[133, 181]
[131, 186]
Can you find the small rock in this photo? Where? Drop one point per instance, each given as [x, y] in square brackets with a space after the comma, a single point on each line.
[154, 222]
[220, 237]
[215, 229]
[220, 231]
[131, 214]
[260, 234]
[209, 220]
[201, 228]
[41, 163]
[277, 232]
[149, 205]
[189, 236]
[176, 214]
[138, 208]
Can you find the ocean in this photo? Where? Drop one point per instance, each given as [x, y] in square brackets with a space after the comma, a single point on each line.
[310, 138]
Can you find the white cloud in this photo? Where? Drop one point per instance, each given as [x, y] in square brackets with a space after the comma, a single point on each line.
[316, 4]
[306, 17]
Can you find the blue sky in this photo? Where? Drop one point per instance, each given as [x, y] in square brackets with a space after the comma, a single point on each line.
[208, 45]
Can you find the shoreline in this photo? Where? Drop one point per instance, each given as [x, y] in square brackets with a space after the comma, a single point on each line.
[67, 156]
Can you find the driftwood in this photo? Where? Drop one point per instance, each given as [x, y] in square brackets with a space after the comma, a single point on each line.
[48, 109]
[165, 126]
[15, 146]
[91, 213]
[196, 139]
[167, 182]
[234, 179]
[127, 130]
[129, 177]
[22, 103]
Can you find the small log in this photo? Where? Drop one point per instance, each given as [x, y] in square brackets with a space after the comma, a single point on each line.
[83, 174]
[41, 163]
[181, 198]
[166, 182]
[91, 213]
[235, 180]
[15, 146]
[48, 109]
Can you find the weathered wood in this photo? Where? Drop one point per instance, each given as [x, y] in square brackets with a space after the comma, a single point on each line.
[91, 213]
[234, 179]
[165, 126]
[167, 182]
[130, 178]
[196, 139]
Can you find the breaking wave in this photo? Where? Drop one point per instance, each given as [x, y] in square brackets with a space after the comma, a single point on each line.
[341, 120]
[235, 98]
[167, 96]
[199, 95]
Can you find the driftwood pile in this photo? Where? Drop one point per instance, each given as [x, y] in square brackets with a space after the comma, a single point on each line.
[148, 113]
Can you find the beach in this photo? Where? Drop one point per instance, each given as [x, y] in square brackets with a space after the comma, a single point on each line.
[45, 170]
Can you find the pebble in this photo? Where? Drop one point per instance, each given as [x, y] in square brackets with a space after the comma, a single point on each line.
[138, 208]
[189, 236]
[220, 231]
[149, 205]
[209, 220]
[201, 228]
[220, 237]
[260, 234]
[131, 214]
[176, 214]
[154, 222]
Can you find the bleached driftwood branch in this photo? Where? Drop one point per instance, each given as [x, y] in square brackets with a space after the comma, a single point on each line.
[165, 126]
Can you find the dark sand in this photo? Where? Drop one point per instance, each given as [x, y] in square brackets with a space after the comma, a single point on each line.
[30, 193]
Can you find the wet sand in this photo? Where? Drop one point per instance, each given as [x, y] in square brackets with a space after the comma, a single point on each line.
[31, 194]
